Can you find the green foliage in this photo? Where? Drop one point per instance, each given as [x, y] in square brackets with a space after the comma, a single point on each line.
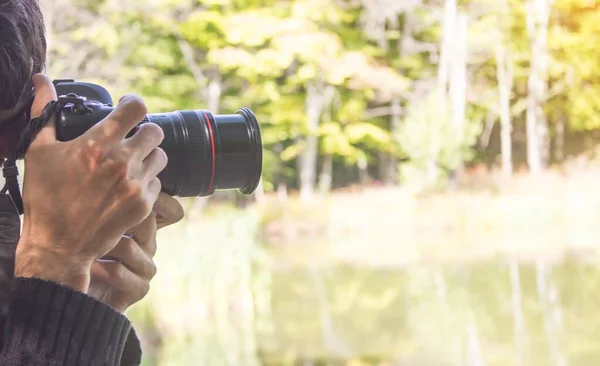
[427, 137]
[574, 43]
[264, 53]
[359, 56]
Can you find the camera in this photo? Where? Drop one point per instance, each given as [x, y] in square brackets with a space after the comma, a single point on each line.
[206, 152]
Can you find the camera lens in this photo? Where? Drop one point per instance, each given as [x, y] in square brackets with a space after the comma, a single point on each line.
[209, 152]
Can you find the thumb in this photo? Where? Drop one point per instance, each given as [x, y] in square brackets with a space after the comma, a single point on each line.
[168, 210]
[44, 93]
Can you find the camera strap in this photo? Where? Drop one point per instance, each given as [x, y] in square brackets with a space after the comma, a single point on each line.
[11, 204]
[10, 228]
[10, 171]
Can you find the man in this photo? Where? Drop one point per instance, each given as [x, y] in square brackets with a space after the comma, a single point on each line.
[94, 197]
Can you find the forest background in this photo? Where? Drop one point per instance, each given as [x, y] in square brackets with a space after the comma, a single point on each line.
[430, 184]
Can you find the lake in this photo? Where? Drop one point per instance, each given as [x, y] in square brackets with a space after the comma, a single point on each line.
[488, 312]
[465, 281]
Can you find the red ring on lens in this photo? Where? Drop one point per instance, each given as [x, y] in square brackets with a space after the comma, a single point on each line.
[212, 146]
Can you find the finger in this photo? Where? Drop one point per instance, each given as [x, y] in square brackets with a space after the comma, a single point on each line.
[153, 190]
[128, 114]
[121, 278]
[168, 210]
[155, 163]
[132, 256]
[145, 140]
[144, 234]
[44, 93]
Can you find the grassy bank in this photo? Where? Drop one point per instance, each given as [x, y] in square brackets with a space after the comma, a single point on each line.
[527, 216]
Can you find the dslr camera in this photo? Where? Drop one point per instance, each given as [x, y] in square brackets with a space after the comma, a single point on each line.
[206, 152]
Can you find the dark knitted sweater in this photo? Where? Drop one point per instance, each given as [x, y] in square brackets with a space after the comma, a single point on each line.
[50, 324]
[47, 324]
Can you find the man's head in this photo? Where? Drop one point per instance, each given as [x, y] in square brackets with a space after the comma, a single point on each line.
[22, 53]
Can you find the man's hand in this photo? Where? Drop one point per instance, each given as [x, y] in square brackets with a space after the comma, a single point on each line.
[124, 279]
[80, 196]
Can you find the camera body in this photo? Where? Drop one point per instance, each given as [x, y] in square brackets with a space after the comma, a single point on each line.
[84, 105]
[206, 152]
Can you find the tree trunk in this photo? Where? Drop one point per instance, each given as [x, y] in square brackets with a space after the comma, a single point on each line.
[559, 140]
[213, 93]
[505, 81]
[486, 134]
[533, 146]
[392, 168]
[458, 82]
[190, 60]
[431, 171]
[538, 14]
[363, 174]
[384, 163]
[279, 177]
[325, 177]
[318, 96]
[308, 159]
[447, 46]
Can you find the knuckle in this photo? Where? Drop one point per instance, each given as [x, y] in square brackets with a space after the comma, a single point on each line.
[156, 185]
[162, 158]
[137, 199]
[93, 151]
[134, 190]
[152, 269]
[163, 155]
[156, 189]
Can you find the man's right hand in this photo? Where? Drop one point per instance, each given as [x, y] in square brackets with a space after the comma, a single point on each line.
[80, 196]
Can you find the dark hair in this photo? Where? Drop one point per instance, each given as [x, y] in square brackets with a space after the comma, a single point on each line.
[22, 49]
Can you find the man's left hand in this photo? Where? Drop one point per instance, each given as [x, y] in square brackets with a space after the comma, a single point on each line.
[123, 278]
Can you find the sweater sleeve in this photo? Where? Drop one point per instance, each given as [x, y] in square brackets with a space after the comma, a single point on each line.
[51, 324]
[132, 351]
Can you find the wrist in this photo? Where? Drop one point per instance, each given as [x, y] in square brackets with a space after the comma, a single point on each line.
[40, 261]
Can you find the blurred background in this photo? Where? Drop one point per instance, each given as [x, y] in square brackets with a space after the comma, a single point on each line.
[430, 188]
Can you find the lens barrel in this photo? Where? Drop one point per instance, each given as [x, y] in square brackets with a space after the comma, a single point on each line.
[209, 152]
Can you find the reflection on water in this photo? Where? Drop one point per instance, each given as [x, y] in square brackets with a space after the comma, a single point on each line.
[496, 312]
[241, 303]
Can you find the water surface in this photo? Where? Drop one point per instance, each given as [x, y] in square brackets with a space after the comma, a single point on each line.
[487, 312]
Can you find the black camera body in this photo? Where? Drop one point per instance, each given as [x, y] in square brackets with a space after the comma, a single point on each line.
[206, 152]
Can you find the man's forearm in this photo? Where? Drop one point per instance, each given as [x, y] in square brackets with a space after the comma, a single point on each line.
[40, 261]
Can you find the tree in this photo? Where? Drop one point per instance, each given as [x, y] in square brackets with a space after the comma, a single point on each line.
[505, 83]
[538, 17]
